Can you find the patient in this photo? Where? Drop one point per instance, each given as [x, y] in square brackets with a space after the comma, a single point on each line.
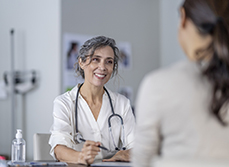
[182, 110]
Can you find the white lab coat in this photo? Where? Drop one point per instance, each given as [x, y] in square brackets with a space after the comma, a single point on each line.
[63, 128]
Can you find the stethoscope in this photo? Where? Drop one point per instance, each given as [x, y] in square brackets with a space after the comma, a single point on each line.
[78, 138]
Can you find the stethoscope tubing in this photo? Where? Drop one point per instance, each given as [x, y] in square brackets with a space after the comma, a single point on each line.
[76, 101]
[81, 139]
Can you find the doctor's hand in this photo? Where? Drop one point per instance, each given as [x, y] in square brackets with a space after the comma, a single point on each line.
[88, 152]
[123, 155]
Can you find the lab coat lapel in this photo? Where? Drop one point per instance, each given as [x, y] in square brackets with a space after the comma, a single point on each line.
[89, 114]
[105, 111]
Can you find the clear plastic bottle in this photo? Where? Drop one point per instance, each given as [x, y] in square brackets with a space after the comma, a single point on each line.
[18, 148]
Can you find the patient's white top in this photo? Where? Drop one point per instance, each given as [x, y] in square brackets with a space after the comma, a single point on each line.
[174, 118]
[63, 128]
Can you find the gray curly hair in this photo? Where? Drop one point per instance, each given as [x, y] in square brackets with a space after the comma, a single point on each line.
[88, 49]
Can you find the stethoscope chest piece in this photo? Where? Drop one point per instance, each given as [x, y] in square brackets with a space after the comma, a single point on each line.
[77, 138]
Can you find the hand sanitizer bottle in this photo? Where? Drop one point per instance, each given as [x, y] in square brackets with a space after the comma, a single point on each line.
[18, 148]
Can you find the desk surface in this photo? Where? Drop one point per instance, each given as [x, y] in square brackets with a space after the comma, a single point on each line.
[55, 164]
[112, 164]
[100, 164]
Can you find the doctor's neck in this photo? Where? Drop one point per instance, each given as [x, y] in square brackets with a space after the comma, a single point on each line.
[91, 92]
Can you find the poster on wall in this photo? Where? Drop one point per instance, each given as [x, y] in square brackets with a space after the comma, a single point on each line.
[125, 61]
[71, 46]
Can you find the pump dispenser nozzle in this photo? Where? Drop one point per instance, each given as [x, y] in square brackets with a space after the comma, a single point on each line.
[18, 134]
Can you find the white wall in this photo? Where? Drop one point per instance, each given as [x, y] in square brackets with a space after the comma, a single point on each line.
[149, 25]
[37, 46]
[131, 21]
[169, 20]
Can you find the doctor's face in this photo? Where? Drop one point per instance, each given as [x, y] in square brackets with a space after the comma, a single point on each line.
[99, 70]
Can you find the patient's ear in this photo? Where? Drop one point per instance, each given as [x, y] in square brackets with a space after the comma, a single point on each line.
[183, 18]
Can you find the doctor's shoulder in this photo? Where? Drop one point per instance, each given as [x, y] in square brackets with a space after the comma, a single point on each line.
[118, 98]
[120, 101]
[66, 99]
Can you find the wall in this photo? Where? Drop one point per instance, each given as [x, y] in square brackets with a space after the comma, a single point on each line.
[170, 50]
[149, 25]
[37, 46]
[131, 21]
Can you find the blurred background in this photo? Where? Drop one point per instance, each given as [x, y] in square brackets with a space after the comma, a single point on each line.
[37, 44]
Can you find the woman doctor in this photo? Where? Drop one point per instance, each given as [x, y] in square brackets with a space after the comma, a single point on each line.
[97, 63]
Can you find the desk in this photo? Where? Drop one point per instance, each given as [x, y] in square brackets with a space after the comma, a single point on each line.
[49, 164]
[111, 164]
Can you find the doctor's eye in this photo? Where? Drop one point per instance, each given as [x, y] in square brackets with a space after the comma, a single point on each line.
[95, 59]
[109, 61]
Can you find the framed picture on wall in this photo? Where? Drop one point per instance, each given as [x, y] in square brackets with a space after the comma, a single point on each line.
[125, 61]
[71, 46]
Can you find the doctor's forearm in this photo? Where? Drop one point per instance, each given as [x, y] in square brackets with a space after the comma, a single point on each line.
[66, 154]
[123, 155]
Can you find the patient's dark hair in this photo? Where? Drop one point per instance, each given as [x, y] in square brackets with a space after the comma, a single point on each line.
[89, 47]
[211, 17]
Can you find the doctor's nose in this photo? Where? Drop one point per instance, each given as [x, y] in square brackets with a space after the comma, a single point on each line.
[102, 66]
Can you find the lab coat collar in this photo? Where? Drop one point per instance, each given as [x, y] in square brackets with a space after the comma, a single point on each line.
[74, 90]
[112, 95]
